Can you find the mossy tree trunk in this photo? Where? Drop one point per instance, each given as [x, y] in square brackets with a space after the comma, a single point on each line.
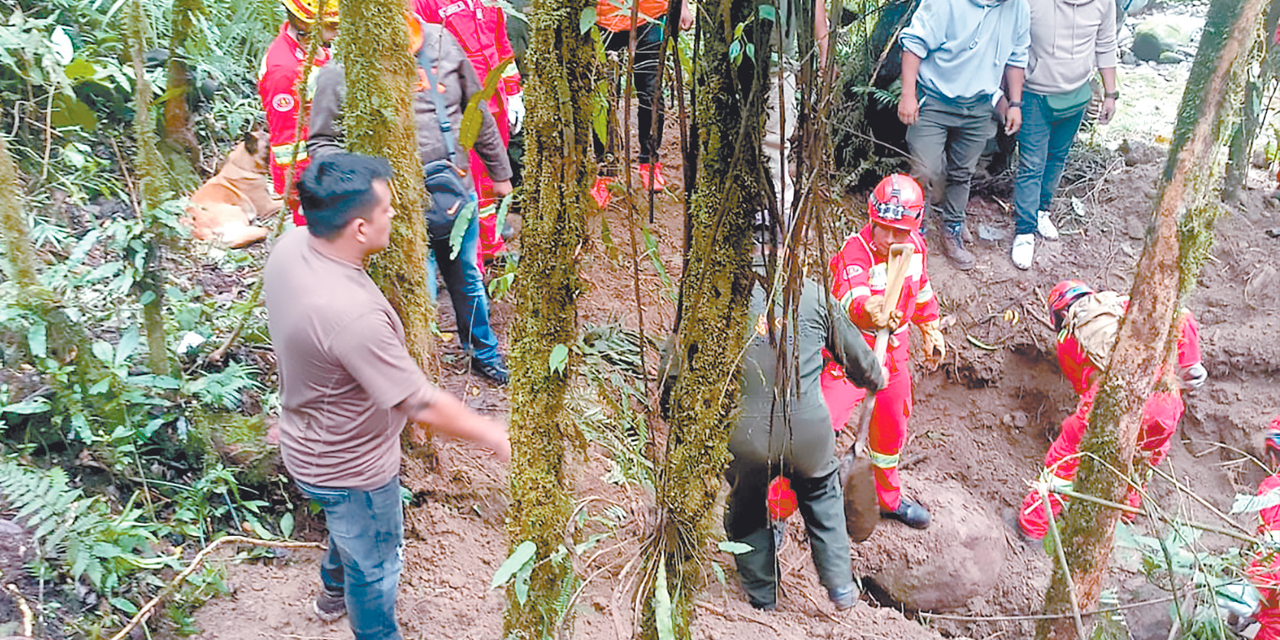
[1260, 83]
[378, 120]
[1178, 243]
[177, 114]
[153, 191]
[559, 169]
[730, 186]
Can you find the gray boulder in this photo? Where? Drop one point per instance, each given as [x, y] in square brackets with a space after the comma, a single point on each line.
[1160, 35]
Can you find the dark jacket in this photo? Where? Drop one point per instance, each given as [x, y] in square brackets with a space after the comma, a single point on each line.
[454, 72]
[786, 421]
[799, 434]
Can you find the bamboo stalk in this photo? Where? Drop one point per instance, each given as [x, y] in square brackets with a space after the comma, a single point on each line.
[1062, 559]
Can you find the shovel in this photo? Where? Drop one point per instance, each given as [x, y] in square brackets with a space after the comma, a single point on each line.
[861, 508]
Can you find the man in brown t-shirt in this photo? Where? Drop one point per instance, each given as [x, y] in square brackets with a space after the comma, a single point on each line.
[348, 386]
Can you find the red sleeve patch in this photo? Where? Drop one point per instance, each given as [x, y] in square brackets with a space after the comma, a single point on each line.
[283, 102]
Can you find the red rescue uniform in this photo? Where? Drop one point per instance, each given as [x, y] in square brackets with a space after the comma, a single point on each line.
[482, 31]
[1160, 417]
[278, 88]
[1264, 572]
[856, 275]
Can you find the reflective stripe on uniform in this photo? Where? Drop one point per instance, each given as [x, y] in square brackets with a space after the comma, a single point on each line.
[1055, 483]
[847, 299]
[882, 460]
[283, 153]
[488, 211]
[1271, 538]
[925, 295]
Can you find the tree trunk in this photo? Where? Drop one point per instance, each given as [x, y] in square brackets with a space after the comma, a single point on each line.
[712, 331]
[559, 91]
[153, 191]
[177, 114]
[1168, 267]
[1246, 132]
[21, 255]
[378, 120]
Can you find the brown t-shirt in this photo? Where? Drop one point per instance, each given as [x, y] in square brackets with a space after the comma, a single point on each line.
[343, 365]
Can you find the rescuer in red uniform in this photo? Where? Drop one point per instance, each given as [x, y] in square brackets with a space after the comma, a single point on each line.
[858, 277]
[278, 86]
[1160, 416]
[481, 29]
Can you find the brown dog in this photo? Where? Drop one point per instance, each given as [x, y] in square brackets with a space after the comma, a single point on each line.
[221, 208]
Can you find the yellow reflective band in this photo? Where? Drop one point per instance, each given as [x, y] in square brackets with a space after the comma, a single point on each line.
[883, 461]
[488, 211]
[283, 153]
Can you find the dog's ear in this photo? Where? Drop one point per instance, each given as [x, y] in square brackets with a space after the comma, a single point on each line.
[251, 142]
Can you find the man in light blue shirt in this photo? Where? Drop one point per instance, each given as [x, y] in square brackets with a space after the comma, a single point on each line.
[955, 54]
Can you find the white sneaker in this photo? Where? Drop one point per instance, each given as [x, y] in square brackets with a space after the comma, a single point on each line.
[1044, 226]
[1024, 248]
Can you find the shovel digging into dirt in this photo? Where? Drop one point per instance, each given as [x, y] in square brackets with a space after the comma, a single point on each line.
[861, 507]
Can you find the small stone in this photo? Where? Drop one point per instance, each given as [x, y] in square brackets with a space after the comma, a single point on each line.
[1136, 228]
[1020, 419]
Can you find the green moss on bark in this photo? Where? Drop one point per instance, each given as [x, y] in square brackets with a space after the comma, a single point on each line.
[559, 171]
[714, 292]
[378, 120]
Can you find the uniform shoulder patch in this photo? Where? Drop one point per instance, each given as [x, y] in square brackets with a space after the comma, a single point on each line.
[283, 102]
[852, 271]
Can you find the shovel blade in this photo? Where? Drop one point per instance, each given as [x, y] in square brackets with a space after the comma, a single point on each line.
[861, 507]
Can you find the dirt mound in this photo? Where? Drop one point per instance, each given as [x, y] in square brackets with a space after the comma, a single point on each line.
[960, 556]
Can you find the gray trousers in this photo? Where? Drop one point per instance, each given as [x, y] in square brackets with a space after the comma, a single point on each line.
[746, 519]
[946, 143]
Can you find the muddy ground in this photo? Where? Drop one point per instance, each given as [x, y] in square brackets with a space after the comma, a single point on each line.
[982, 422]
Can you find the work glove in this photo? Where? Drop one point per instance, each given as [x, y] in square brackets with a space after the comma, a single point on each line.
[880, 317]
[515, 112]
[935, 344]
[1194, 376]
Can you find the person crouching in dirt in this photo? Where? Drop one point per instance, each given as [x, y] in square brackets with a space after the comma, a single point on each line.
[783, 430]
[1264, 571]
[858, 278]
[348, 386]
[1087, 323]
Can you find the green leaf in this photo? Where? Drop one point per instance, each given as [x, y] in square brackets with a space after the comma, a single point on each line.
[503, 207]
[520, 556]
[460, 229]
[559, 359]
[102, 350]
[736, 548]
[129, 342]
[286, 525]
[768, 12]
[27, 407]
[521, 584]
[80, 69]
[586, 19]
[124, 605]
[662, 604]
[147, 297]
[38, 339]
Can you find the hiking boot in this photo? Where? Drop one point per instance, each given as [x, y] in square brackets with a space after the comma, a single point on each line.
[762, 606]
[1045, 227]
[329, 605]
[844, 597]
[495, 372]
[601, 191]
[1024, 248]
[659, 180]
[910, 513]
[953, 248]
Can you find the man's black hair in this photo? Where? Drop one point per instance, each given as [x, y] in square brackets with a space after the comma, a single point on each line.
[338, 189]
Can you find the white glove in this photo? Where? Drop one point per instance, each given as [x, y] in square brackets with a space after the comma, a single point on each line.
[1194, 376]
[515, 112]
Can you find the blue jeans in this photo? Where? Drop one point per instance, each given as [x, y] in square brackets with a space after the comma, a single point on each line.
[1043, 143]
[366, 539]
[465, 283]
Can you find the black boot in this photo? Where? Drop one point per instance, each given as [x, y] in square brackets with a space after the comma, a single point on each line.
[910, 513]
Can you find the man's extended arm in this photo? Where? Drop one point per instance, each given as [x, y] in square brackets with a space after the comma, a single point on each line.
[1013, 79]
[909, 104]
[447, 415]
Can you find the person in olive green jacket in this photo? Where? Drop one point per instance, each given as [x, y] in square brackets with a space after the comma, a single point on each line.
[783, 429]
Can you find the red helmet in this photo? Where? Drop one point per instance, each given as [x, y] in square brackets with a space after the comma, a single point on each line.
[306, 10]
[1062, 296]
[898, 202]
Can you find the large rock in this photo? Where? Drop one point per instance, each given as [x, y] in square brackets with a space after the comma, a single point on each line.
[958, 557]
[1160, 35]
